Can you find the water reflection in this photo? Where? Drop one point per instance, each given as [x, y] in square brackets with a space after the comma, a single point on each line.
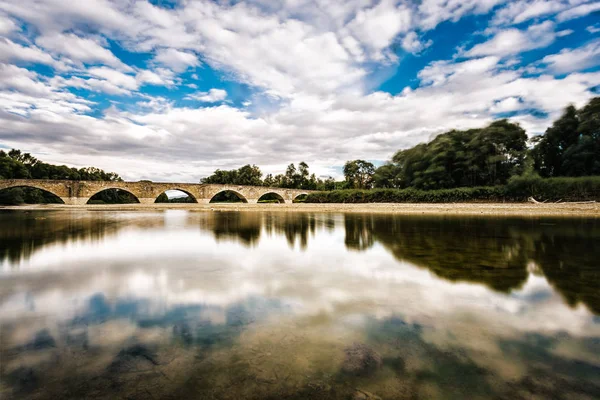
[499, 253]
[289, 305]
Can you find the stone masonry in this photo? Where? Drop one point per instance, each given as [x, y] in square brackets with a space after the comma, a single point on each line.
[79, 192]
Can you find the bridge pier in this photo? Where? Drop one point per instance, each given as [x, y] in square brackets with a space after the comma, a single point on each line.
[147, 200]
[74, 201]
[252, 201]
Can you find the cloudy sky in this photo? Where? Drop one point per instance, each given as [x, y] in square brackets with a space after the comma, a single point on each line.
[170, 90]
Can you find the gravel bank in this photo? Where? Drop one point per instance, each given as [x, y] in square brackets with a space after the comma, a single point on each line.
[497, 209]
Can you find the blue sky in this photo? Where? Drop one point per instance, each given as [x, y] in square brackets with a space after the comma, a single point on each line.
[171, 90]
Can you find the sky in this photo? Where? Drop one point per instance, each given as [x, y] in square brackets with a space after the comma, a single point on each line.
[170, 90]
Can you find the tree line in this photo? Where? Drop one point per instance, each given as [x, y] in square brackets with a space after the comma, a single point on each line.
[357, 174]
[251, 175]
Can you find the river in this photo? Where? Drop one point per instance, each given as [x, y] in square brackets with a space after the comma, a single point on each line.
[295, 305]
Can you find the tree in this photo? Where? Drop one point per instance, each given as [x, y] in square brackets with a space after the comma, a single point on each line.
[550, 149]
[221, 177]
[291, 176]
[269, 180]
[249, 175]
[359, 174]
[571, 146]
[302, 180]
[386, 176]
[162, 198]
[476, 157]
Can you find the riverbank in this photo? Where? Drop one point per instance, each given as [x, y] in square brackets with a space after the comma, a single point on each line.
[498, 209]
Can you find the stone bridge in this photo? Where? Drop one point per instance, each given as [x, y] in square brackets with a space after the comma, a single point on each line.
[79, 192]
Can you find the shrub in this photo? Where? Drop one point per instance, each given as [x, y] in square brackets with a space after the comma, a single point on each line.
[518, 189]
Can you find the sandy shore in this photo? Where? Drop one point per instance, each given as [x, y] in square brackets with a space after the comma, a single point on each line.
[497, 209]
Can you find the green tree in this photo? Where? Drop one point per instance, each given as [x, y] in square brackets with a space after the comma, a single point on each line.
[302, 178]
[359, 174]
[269, 180]
[249, 175]
[386, 176]
[571, 146]
[476, 157]
[291, 176]
[162, 198]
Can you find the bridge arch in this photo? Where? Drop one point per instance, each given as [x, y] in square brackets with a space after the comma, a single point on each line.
[57, 199]
[299, 197]
[94, 197]
[215, 198]
[190, 195]
[269, 197]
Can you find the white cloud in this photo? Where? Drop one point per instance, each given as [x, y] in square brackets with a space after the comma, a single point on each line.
[179, 61]
[115, 77]
[579, 11]
[593, 28]
[413, 44]
[82, 50]
[516, 12]
[7, 25]
[564, 33]
[519, 11]
[507, 105]
[570, 60]
[160, 76]
[212, 96]
[11, 51]
[376, 27]
[514, 41]
[23, 92]
[432, 12]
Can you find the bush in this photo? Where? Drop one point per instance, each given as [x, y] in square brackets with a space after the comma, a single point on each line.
[518, 189]
[554, 189]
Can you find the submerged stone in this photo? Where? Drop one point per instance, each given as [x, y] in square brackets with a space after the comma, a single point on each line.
[133, 359]
[360, 359]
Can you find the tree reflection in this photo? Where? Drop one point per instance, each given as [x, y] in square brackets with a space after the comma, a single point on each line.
[23, 233]
[359, 231]
[569, 260]
[294, 226]
[241, 226]
[470, 250]
[493, 252]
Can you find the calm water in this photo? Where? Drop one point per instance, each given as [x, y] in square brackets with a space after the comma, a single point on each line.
[224, 305]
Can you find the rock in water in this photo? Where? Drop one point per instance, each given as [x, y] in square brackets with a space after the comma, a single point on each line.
[364, 395]
[136, 358]
[361, 360]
